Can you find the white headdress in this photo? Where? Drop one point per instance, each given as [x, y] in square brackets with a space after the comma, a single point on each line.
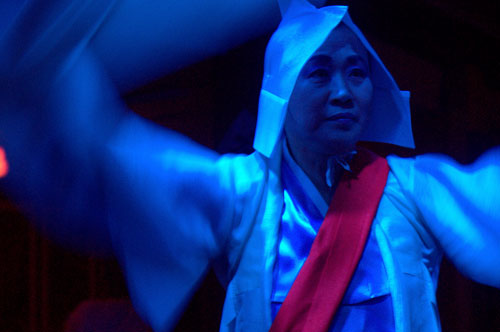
[303, 29]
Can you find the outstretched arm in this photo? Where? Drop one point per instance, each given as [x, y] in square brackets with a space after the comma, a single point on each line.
[95, 176]
[460, 206]
[61, 63]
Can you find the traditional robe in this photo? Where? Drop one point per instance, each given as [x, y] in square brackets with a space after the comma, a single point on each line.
[422, 214]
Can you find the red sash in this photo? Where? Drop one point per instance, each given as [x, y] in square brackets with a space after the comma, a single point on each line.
[321, 283]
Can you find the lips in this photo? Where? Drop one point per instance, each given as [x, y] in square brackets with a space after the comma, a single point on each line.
[343, 116]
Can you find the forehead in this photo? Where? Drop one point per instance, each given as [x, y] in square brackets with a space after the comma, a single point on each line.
[342, 38]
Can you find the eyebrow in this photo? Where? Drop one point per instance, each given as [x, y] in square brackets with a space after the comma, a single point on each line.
[323, 59]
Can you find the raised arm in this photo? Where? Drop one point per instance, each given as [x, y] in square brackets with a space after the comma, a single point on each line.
[57, 110]
[96, 177]
[139, 42]
[62, 63]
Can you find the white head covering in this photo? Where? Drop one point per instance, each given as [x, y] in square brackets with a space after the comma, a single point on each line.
[303, 29]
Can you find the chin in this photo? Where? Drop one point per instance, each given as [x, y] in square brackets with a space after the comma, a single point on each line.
[336, 147]
[340, 144]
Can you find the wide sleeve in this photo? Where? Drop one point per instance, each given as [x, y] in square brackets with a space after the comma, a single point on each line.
[459, 205]
[57, 107]
[142, 41]
[96, 177]
[138, 42]
[171, 208]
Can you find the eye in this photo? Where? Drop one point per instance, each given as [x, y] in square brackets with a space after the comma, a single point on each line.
[357, 74]
[319, 75]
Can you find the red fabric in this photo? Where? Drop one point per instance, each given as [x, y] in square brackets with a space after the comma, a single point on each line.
[4, 166]
[321, 283]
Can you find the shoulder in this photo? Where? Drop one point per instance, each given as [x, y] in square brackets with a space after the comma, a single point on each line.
[401, 219]
[438, 170]
[243, 172]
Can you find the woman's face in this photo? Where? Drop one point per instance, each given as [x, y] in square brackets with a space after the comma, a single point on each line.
[332, 96]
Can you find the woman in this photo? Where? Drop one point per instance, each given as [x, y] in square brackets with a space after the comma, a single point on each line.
[168, 209]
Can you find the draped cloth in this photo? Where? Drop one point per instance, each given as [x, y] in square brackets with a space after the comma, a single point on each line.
[321, 283]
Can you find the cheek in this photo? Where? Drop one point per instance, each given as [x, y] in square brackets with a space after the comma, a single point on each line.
[364, 95]
[299, 119]
[306, 108]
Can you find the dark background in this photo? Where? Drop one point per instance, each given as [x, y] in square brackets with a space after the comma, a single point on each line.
[446, 52]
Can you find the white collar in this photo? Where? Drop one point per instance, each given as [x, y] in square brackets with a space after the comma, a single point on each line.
[304, 181]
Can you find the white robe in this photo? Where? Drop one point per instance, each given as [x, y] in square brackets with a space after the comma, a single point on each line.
[430, 206]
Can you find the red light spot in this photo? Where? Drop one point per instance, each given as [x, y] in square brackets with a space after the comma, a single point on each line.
[4, 166]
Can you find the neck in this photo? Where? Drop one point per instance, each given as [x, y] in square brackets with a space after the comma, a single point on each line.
[315, 166]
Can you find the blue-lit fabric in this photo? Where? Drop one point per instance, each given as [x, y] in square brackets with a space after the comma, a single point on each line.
[367, 305]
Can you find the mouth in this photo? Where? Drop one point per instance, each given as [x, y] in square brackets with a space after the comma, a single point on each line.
[343, 116]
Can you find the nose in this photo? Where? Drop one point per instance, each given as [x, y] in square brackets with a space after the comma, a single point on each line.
[340, 94]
